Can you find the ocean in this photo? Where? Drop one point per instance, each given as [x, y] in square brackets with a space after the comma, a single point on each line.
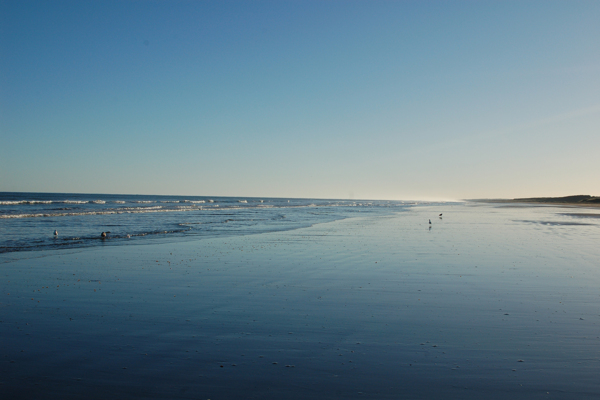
[296, 298]
[28, 220]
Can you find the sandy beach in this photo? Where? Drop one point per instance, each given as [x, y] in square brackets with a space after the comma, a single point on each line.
[490, 302]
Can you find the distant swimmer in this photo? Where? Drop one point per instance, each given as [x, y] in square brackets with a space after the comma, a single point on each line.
[103, 235]
[55, 233]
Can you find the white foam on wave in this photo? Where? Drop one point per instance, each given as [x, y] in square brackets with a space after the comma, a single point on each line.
[160, 208]
[98, 202]
[21, 216]
[128, 210]
[55, 214]
[139, 208]
[13, 202]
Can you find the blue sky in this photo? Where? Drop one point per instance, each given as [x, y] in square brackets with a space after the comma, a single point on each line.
[332, 99]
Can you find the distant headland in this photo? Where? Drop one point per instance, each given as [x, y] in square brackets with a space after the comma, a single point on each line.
[578, 200]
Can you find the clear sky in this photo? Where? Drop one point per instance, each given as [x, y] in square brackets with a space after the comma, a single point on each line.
[330, 99]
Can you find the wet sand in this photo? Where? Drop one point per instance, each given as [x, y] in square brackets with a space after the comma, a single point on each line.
[582, 215]
[485, 304]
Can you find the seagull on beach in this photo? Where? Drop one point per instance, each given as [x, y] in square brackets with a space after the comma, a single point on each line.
[440, 215]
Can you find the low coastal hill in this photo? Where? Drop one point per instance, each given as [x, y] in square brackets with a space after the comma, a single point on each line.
[582, 199]
[578, 199]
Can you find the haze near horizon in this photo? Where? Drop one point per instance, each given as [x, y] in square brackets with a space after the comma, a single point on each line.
[352, 99]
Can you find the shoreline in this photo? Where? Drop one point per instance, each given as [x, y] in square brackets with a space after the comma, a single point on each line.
[546, 203]
[576, 200]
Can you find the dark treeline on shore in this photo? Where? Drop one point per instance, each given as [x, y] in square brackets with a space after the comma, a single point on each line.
[578, 199]
[582, 199]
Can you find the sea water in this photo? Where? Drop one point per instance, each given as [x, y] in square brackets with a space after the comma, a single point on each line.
[28, 220]
[486, 301]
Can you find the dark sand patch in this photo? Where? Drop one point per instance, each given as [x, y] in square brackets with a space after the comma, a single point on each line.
[581, 215]
[553, 223]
